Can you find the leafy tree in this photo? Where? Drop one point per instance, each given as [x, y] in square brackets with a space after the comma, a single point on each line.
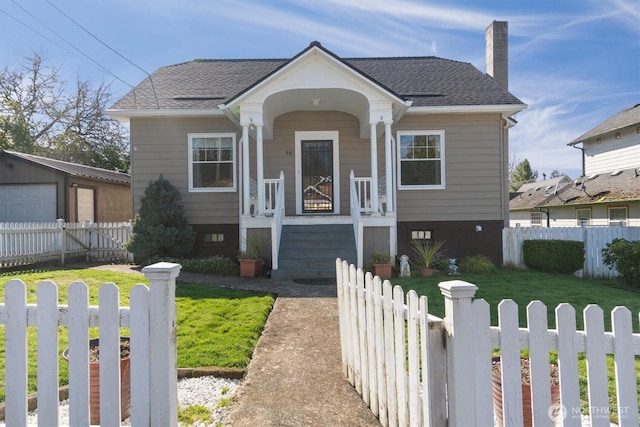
[40, 115]
[555, 174]
[522, 174]
[160, 228]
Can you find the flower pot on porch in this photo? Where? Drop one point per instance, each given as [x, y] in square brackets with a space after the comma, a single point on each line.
[527, 413]
[250, 267]
[94, 379]
[383, 270]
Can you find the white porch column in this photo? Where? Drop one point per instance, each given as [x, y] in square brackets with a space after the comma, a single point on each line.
[374, 169]
[246, 184]
[260, 169]
[388, 158]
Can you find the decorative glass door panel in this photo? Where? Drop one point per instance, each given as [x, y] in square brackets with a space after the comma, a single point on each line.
[317, 176]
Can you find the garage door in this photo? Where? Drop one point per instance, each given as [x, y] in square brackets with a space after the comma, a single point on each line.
[28, 203]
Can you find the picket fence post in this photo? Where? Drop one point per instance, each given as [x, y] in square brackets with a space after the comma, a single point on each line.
[458, 321]
[61, 240]
[162, 358]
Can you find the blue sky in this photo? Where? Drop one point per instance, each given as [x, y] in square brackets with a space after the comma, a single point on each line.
[574, 62]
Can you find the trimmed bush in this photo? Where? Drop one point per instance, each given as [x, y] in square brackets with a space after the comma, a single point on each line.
[219, 265]
[476, 264]
[160, 227]
[624, 256]
[554, 256]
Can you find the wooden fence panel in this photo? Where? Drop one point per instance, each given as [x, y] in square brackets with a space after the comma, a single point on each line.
[594, 238]
[16, 353]
[48, 355]
[78, 300]
[410, 355]
[109, 312]
[28, 243]
[539, 363]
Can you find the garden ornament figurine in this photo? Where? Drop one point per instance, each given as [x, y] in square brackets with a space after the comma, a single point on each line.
[405, 269]
[453, 268]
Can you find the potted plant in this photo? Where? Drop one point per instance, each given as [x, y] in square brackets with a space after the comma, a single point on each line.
[427, 252]
[554, 411]
[381, 264]
[251, 259]
[94, 378]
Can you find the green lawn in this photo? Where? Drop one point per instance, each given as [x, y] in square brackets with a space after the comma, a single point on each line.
[526, 286]
[215, 326]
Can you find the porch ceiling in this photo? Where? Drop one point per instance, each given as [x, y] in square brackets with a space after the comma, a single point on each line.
[343, 100]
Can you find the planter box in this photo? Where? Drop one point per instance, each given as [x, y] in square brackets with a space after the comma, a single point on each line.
[383, 270]
[250, 267]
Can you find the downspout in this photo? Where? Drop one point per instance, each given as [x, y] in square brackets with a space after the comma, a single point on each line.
[581, 149]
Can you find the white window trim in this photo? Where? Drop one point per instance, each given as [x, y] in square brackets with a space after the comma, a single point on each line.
[442, 160]
[333, 135]
[579, 221]
[193, 189]
[537, 214]
[617, 221]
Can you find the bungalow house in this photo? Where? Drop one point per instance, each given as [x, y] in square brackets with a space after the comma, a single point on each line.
[38, 189]
[608, 193]
[320, 156]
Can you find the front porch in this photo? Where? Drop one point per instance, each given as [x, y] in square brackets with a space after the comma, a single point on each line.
[312, 242]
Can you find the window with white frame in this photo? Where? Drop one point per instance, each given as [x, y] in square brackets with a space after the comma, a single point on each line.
[212, 162]
[421, 159]
[618, 216]
[583, 216]
[536, 219]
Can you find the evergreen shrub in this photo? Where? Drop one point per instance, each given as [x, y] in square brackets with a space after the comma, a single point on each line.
[624, 256]
[554, 256]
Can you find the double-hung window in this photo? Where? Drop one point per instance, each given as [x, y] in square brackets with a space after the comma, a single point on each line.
[421, 159]
[583, 216]
[618, 216]
[212, 162]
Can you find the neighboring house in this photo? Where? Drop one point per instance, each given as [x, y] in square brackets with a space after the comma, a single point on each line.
[608, 193]
[426, 139]
[36, 189]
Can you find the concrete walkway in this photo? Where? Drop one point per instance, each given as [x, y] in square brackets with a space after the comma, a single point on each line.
[295, 376]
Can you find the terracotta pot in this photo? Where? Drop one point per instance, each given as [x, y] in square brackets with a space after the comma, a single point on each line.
[94, 384]
[250, 267]
[426, 271]
[383, 270]
[526, 399]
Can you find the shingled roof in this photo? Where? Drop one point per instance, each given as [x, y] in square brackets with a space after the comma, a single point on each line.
[625, 118]
[615, 187]
[205, 84]
[72, 169]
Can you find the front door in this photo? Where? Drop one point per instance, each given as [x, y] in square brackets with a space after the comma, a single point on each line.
[317, 178]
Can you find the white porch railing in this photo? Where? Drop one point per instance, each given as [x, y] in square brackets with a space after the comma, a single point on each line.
[270, 195]
[364, 193]
[394, 354]
[355, 209]
[276, 222]
[151, 319]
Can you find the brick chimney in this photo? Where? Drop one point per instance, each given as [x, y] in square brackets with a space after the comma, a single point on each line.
[497, 40]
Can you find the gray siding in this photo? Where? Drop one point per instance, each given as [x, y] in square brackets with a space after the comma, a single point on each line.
[159, 146]
[475, 162]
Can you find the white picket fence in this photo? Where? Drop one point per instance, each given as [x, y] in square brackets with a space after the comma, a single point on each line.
[595, 239]
[151, 318]
[413, 369]
[23, 243]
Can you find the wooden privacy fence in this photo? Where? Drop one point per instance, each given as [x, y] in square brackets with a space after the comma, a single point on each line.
[151, 318]
[23, 243]
[595, 239]
[413, 369]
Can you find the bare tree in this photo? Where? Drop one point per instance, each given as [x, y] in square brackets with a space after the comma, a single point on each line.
[40, 115]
